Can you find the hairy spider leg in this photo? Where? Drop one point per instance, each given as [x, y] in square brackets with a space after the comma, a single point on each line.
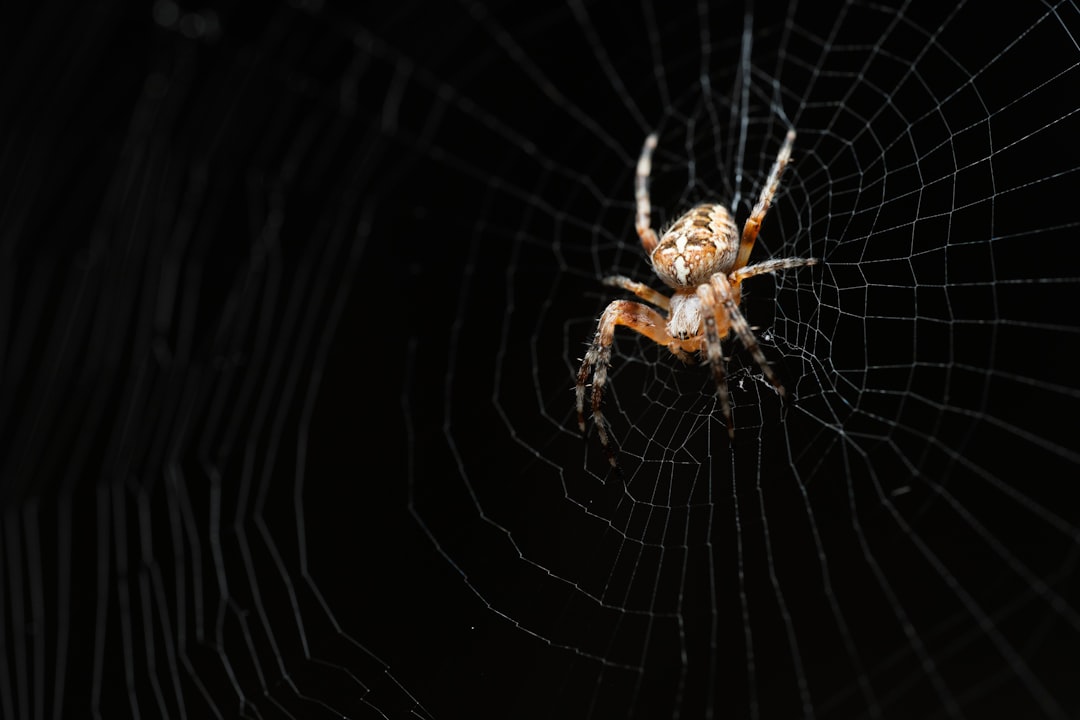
[730, 303]
[724, 316]
[768, 266]
[637, 317]
[643, 221]
[772, 184]
[642, 290]
[715, 357]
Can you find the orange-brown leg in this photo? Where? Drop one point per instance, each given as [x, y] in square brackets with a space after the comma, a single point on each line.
[642, 290]
[772, 184]
[637, 317]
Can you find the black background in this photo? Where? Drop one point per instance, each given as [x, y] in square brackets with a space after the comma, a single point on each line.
[257, 255]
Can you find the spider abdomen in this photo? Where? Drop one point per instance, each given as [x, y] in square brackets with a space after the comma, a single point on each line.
[701, 243]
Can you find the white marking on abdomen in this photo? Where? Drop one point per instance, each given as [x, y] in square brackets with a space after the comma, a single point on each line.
[682, 272]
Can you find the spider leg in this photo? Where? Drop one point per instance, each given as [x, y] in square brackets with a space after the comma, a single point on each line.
[714, 354]
[643, 221]
[642, 290]
[768, 266]
[720, 285]
[772, 184]
[637, 317]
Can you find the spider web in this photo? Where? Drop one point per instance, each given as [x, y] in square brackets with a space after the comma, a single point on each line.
[295, 296]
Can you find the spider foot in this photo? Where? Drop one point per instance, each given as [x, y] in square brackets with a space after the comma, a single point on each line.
[602, 432]
[609, 451]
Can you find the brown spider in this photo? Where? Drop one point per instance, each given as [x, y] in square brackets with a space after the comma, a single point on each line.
[699, 259]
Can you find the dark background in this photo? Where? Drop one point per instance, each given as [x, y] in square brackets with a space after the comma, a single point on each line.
[291, 300]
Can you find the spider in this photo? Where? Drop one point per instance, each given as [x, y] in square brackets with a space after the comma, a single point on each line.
[702, 260]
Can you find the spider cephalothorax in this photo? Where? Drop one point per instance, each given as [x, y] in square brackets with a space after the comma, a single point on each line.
[704, 260]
